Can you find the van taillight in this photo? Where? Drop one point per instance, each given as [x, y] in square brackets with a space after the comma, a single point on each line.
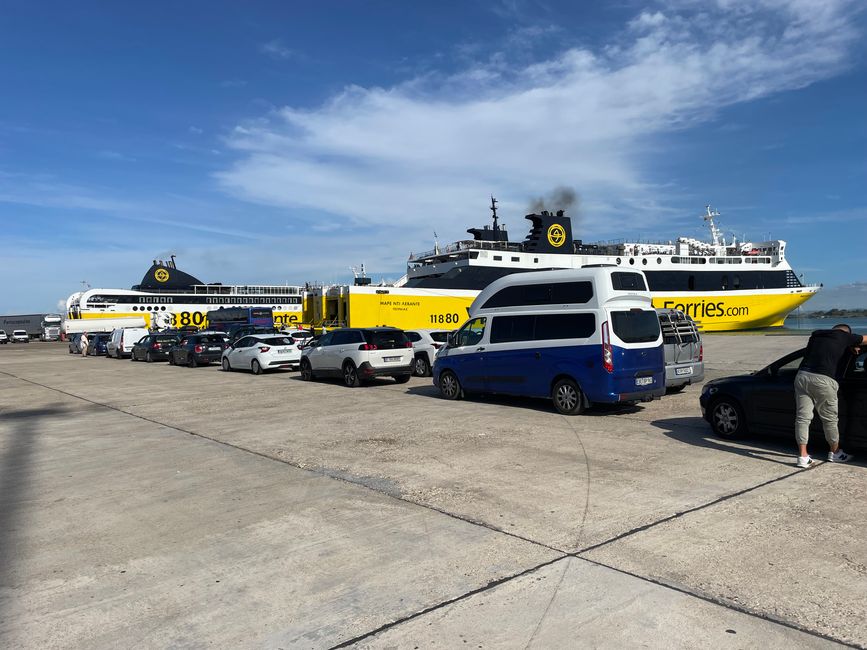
[366, 346]
[607, 352]
[701, 352]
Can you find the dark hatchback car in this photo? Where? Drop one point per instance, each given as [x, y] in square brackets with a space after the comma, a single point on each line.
[198, 349]
[764, 402]
[75, 344]
[96, 344]
[153, 347]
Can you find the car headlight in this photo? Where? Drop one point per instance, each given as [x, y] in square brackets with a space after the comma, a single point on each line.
[709, 390]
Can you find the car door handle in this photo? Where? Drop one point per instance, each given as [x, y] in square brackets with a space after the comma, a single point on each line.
[538, 355]
[479, 349]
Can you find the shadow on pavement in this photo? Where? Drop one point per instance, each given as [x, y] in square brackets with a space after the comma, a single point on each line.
[19, 440]
[528, 403]
[696, 431]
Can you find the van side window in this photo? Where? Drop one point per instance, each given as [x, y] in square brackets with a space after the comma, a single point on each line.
[471, 333]
[559, 293]
[542, 327]
[621, 281]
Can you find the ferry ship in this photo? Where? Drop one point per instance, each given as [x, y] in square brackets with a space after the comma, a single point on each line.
[722, 285]
[168, 297]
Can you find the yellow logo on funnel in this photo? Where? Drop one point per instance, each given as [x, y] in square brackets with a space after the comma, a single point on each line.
[556, 235]
[161, 275]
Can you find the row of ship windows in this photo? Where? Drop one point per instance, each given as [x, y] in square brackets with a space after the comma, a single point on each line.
[678, 260]
[161, 307]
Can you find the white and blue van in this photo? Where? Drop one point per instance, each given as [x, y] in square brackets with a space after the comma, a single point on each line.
[577, 336]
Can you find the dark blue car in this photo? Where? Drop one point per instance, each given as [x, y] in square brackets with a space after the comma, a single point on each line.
[96, 344]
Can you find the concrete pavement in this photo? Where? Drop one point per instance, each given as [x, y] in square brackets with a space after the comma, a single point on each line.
[327, 514]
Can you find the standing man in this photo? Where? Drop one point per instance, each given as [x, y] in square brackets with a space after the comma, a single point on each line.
[816, 387]
[82, 345]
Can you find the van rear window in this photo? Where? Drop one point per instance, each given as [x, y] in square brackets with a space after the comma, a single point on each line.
[624, 281]
[635, 325]
[542, 327]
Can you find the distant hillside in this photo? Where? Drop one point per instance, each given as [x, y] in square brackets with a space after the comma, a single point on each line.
[846, 296]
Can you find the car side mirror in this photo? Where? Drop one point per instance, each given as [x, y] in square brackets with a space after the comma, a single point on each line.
[450, 339]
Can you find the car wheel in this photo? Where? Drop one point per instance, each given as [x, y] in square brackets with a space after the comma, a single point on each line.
[256, 367]
[450, 385]
[420, 366]
[567, 397]
[225, 365]
[401, 379]
[149, 357]
[727, 418]
[306, 370]
[191, 361]
[172, 361]
[350, 375]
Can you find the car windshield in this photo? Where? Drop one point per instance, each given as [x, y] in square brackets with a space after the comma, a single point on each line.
[165, 339]
[635, 325]
[211, 339]
[440, 337]
[386, 339]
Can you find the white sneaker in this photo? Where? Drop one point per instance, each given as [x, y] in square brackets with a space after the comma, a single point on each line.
[805, 461]
[839, 456]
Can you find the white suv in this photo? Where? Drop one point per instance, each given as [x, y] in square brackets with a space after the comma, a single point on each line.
[262, 352]
[356, 354]
[425, 344]
[20, 336]
[3, 337]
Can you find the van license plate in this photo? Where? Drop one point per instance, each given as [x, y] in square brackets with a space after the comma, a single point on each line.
[683, 371]
[643, 381]
[386, 359]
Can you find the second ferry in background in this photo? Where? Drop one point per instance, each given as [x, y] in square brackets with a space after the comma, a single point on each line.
[721, 285]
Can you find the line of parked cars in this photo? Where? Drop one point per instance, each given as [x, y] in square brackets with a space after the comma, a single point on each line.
[576, 337]
[18, 336]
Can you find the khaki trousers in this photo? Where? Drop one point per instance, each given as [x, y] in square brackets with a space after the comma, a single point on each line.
[818, 392]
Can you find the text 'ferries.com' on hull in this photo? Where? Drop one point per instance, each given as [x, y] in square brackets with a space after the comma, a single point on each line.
[722, 286]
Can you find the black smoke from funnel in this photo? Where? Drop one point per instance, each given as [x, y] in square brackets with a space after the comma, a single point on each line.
[560, 198]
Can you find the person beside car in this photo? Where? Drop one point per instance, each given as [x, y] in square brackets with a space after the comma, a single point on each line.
[82, 345]
[816, 387]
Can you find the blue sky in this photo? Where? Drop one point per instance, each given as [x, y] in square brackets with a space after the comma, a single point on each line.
[287, 141]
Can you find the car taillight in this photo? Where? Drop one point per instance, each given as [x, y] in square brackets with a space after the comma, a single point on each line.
[156, 346]
[408, 344]
[607, 352]
[366, 346]
[701, 352]
[198, 349]
[263, 348]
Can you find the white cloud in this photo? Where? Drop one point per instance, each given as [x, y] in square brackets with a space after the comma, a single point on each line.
[431, 149]
[276, 49]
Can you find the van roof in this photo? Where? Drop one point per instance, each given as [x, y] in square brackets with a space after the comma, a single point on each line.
[599, 276]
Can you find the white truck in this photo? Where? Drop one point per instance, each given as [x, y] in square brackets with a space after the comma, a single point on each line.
[51, 327]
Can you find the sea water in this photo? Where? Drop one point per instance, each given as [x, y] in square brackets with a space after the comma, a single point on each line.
[795, 322]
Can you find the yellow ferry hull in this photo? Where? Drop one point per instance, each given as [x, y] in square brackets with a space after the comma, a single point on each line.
[409, 308]
[737, 310]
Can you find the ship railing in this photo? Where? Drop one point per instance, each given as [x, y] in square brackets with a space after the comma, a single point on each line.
[466, 245]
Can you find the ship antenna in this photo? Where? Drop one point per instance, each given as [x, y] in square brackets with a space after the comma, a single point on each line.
[494, 210]
[714, 231]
